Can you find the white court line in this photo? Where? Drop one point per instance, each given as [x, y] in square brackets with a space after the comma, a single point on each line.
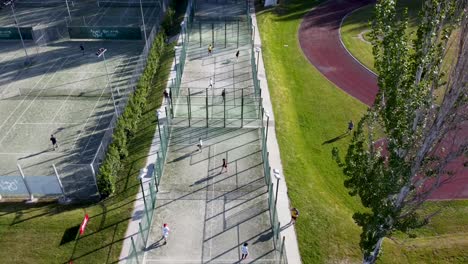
[21, 102]
[48, 123]
[212, 206]
[110, 87]
[16, 77]
[66, 99]
[27, 108]
[87, 119]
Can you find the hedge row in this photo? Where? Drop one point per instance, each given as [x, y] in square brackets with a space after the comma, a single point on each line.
[126, 125]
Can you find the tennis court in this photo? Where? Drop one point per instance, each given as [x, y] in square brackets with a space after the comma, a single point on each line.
[66, 93]
[212, 213]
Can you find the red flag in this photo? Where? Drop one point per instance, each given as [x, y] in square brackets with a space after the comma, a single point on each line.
[83, 224]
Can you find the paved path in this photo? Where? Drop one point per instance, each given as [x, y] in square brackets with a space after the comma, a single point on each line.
[319, 38]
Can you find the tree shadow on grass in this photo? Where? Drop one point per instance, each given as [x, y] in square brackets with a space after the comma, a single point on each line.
[26, 212]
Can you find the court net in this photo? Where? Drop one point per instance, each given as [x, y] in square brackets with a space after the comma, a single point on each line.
[128, 3]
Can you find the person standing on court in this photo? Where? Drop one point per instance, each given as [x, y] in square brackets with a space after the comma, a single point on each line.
[244, 251]
[350, 126]
[82, 49]
[224, 167]
[210, 49]
[54, 142]
[165, 233]
[237, 55]
[211, 83]
[200, 144]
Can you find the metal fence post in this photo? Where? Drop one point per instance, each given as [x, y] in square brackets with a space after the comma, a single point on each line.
[31, 196]
[141, 233]
[199, 32]
[134, 249]
[144, 201]
[167, 117]
[188, 111]
[206, 103]
[237, 33]
[242, 108]
[212, 34]
[65, 199]
[282, 250]
[225, 33]
[224, 101]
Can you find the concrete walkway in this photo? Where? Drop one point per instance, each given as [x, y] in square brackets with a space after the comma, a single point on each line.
[283, 205]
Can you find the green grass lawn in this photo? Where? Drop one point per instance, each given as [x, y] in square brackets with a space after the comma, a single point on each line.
[310, 110]
[38, 233]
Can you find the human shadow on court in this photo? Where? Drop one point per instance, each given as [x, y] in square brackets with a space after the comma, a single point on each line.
[156, 244]
[264, 237]
[202, 180]
[335, 138]
[183, 157]
[34, 154]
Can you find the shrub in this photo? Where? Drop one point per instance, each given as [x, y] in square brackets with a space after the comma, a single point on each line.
[168, 21]
[127, 123]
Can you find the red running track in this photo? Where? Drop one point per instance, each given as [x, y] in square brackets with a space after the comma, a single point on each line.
[320, 41]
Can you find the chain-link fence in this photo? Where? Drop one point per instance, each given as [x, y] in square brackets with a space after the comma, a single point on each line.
[149, 191]
[70, 181]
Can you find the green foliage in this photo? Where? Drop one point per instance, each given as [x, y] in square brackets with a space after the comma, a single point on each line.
[127, 124]
[404, 110]
[168, 21]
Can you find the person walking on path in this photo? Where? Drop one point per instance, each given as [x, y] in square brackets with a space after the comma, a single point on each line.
[165, 233]
[224, 167]
[244, 251]
[294, 215]
[210, 49]
[237, 56]
[82, 49]
[200, 144]
[350, 126]
[53, 139]
[211, 83]
[166, 95]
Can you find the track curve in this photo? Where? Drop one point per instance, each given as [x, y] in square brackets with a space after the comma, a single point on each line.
[319, 39]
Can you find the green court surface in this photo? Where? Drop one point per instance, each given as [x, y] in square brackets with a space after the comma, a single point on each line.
[212, 213]
[63, 92]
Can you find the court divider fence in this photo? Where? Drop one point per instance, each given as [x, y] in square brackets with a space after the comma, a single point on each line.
[149, 190]
[149, 194]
